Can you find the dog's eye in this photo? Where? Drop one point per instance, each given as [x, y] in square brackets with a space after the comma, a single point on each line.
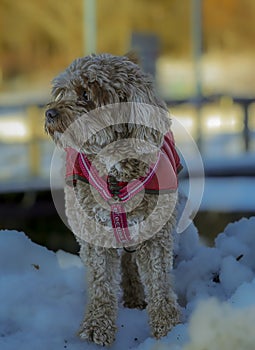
[85, 96]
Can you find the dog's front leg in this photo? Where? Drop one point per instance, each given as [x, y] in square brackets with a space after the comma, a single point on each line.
[99, 324]
[154, 259]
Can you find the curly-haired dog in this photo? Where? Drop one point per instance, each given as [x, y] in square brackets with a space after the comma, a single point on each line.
[121, 188]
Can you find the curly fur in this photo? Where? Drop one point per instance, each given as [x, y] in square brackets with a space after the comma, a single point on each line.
[87, 84]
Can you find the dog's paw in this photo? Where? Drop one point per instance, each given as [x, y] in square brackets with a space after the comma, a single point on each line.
[163, 319]
[98, 330]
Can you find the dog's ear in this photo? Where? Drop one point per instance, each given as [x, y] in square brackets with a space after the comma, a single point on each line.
[133, 56]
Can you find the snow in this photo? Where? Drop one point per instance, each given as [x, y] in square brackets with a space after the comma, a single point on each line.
[43, 295]
[226, 328]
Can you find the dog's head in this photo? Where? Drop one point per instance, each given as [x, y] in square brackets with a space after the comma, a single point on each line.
[82, 92]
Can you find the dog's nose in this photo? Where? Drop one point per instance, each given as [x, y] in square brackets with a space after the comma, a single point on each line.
[51, 113]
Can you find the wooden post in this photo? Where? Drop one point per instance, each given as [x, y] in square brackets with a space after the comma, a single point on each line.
[197, 48]
[34, 148]
[246, 130]
[89, 26]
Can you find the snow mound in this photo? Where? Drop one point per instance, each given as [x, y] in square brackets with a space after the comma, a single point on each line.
[43, 296]
[216, 325]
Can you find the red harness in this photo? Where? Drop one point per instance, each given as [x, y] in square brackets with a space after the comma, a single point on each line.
[162, 178]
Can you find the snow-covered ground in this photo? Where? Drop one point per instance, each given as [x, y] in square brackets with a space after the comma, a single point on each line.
[43, 294]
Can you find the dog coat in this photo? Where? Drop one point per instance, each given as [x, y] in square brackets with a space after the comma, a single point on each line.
[162, 178]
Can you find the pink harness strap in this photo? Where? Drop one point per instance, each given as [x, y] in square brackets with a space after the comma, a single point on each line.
[127, 191]
[162, 177]
[120, 224]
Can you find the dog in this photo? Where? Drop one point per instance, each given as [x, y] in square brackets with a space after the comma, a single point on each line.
[121, 188]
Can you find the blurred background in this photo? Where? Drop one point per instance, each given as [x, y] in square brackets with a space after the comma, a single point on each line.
[201, 54]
